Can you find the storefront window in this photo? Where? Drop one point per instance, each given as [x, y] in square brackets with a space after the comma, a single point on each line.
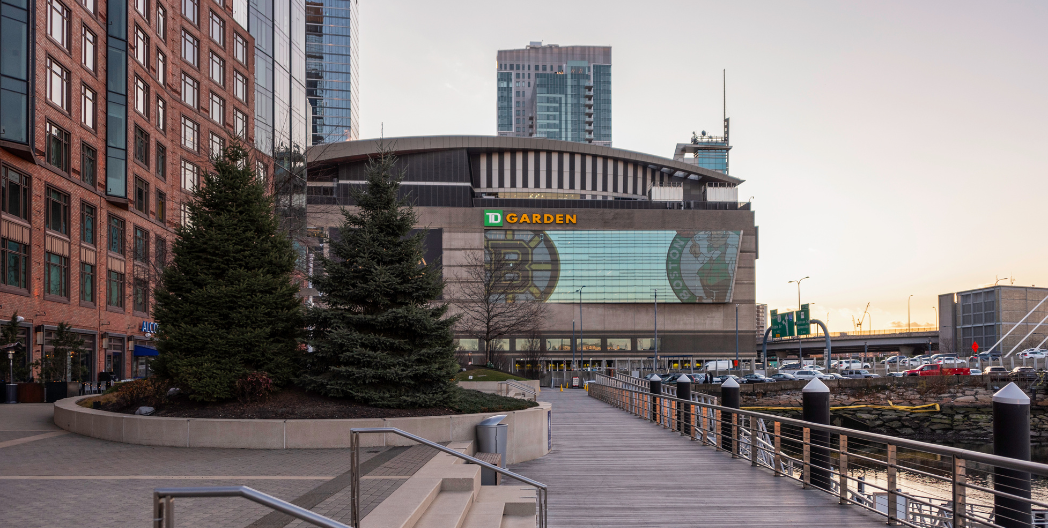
[618, 344]
[467, 345]
[647, 344]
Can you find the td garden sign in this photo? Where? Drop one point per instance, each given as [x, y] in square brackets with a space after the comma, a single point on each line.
[551, 263]
[495, 218]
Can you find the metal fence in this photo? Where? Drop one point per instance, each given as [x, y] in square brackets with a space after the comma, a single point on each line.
[911, 483]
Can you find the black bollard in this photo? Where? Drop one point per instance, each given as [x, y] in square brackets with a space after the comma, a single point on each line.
[684, 409]
[655, 387]
[1011, 438]
[816, 405]
[730, 397]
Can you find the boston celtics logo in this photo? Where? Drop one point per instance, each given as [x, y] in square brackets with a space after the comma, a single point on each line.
[700, 266]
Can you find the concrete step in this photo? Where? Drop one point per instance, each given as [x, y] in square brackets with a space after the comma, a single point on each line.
[517, 521]
[448, 510]
[495, 504]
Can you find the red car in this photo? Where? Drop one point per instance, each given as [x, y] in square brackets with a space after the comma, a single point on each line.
[939, 370]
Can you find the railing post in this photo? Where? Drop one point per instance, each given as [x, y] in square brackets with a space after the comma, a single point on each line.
[718, 429]
[778, 450]
[158, 511]
[753, 442]
[731, 398]
[354, 466]
[893, 494]
[1011, 438]
[806, 466]
[684, 410]
[960, 503]
[655, 388]
[736, 443]
[842, 484]
[816, 409]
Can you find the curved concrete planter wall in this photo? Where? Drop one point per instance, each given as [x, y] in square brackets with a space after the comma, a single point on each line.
[528, 430]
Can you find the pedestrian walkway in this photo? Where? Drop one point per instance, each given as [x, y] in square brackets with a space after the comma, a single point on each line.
[609, 468]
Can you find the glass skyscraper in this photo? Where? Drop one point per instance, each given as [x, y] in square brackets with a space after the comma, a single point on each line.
[280, 75]
[555, 92]
[331, 70]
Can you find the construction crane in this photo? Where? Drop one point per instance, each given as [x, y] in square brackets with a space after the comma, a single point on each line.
[863, 319]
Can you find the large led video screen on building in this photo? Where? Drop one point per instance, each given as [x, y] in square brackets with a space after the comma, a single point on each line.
[618, 266]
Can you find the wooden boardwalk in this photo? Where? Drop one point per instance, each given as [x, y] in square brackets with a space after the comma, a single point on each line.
[609, 468]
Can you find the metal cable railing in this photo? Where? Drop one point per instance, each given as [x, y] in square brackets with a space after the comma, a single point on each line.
[164, 504]
[540, 488]
[911, 483]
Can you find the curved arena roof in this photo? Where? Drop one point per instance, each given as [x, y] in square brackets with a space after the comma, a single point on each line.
[362, 149]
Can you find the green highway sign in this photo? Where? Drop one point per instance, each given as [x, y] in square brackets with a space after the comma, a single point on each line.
[803, 321]
[782, 324]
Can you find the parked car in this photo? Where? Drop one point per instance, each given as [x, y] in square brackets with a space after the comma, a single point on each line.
[792, 365]
[939, 370]
[892, 360]
[1023, 372]
[851, 364]
[783, 376]
[951, 362]
[1034, 353]
[721, 379]
[809, 374]
[995, 370]
[755, 378]
[835, 375]
[897, 374]
[858, 374]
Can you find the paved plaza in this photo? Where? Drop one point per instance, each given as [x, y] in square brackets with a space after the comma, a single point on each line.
[49, 477]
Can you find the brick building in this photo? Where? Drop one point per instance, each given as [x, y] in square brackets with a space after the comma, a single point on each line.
[104, 130]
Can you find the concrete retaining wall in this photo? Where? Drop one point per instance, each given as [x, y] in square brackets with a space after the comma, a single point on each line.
[498, 387]
[528, 430]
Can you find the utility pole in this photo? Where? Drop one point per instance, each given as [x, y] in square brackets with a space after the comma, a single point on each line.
[737, 338]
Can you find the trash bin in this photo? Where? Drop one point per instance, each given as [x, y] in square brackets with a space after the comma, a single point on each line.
[491, 438]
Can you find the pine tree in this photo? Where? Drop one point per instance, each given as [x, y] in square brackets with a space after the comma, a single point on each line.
[226, 305]
[380, 338]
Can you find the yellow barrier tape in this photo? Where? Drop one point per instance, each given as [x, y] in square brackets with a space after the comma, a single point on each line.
[929, 407]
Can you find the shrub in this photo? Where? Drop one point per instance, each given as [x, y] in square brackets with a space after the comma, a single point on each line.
[254, 387]
[471, 401]
[151, 392]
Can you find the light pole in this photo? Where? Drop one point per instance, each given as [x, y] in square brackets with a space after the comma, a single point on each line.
[655, 364]
[936, 318]
[798, 281]
[581, 345]
[908, 313]
[737, 364]
[800, 344]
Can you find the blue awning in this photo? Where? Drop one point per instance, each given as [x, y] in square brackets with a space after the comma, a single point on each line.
[145, 351]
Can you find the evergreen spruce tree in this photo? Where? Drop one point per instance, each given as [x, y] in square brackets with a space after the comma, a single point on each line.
[379, 338]
[226, 305]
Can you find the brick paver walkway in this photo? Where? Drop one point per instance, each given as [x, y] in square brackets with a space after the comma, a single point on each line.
[71, 480]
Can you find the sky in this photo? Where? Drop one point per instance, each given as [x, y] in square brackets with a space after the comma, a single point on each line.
[891, 148]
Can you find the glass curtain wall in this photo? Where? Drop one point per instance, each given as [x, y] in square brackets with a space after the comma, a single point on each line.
[331, 69]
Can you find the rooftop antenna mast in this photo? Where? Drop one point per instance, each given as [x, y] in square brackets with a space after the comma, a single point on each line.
[724, 91]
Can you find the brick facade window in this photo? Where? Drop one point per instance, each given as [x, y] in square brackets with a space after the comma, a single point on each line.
[218, 29]
[140, 295]
[141, 47]
[57, 211]
[141, 96]
[57, 84]
[117, 232]
[141, 245]
[240, 48]
[190, 49]
[115, 289]
[161, 114]
[141, 196]
[218, 69]
[218, 109]
[56, 275]
[17, 194]
[88, 221]
[141, 146]
[88, 102]
[57, 152]
[88, 164]
[240, 124]
[190, 134]
[191, 10]
[88, 44]
[190, 176]
[161, 206]
[161, 67]
[161, 21]
[161, 161]
[15, 263]
[190, 91]
[58, 22]
[239, 86]
[161, 252]
[87, 282]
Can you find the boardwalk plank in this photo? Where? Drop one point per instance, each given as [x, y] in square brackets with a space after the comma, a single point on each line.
[610, 469]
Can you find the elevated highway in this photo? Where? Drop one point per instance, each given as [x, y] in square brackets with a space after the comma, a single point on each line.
[919, 340]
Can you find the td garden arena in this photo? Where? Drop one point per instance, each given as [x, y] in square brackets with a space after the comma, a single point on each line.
[603, 236]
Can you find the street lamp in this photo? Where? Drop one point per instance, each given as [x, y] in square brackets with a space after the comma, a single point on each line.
[655, 364]
[581, 341]
[908, 312]
[800, 344]
[798, 281]
[936, 318]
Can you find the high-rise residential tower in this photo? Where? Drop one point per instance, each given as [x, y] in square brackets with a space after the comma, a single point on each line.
[331, 70]
[555, 92]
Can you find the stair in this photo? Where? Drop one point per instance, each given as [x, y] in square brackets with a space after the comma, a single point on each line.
[446, 493]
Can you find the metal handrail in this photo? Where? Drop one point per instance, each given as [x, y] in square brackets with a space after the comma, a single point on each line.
[164, 506]
[521, 387]
[540, 488]
[745, 435]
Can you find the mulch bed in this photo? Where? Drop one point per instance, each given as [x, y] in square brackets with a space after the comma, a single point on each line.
[287, 404]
